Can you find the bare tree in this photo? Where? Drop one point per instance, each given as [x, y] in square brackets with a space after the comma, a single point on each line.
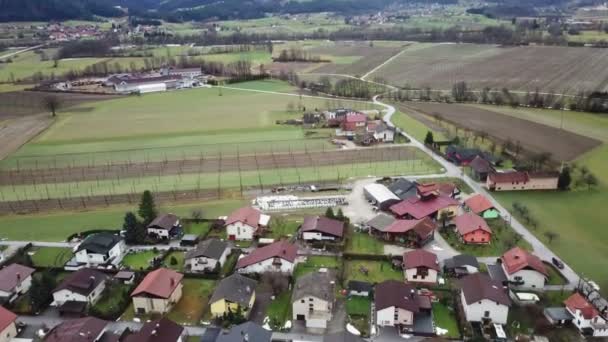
[52, 103]
[277, 282]
[197, 215]
[551, 235]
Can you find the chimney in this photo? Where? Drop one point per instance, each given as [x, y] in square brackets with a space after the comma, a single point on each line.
[172, 282]
[91, 281]
[412, 292]
[18, 276]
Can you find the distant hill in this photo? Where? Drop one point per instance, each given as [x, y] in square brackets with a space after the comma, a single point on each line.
[45, 10]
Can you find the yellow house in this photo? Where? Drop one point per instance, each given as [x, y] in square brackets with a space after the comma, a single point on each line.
[233, 293]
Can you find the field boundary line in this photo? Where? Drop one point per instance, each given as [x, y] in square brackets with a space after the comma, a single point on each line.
[297, 95]
[383, 64]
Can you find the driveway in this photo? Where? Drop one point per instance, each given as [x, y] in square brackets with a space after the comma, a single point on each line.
[338, 321]
[263, 297]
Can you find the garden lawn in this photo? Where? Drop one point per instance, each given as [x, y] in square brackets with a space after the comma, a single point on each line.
[139, 260]
[50, 256]
[179, 258]
[198, 229]
[363, 243]
[112, 297]
[282, 228]
[190, 308]
[315, 262]
[279, 310]
[359, 306]
[503, 239]
[555, 277]
[377, 271]
[230, 263]
[58, 226]
[445, 318]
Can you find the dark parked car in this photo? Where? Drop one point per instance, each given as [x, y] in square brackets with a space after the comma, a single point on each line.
[558, 263]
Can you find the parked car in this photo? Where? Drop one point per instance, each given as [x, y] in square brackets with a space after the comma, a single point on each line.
[557, 263]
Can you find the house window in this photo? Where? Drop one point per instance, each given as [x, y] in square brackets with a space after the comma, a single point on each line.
[310, 299]
[486, 314]
[302, 301]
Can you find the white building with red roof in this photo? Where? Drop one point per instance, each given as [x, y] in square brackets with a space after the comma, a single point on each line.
[157, 292]
[277, 257]
[245, 223]
[15, 279]
[586, 317]
[421, 266]
[524, 269]
[8, 328]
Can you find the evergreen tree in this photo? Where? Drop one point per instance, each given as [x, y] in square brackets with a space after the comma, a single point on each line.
[340, 215]
[329, 213]
[41, 291]
[428, 140]
[564, 180]
[130, 225]
[147, 208]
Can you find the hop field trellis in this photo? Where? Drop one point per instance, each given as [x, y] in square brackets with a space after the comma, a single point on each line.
[212, 178]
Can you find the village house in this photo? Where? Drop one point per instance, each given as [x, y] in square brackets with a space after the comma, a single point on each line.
[380, 131]
[472, 229]
[125, 277]
[418, 208]
[342, 336]
[403, 188]
[520, 180]
[77, 330]
[399, 305]
[481, 205]
[321, 228]
[157, 292]
[483, 299]
[359, 288]
[354, 122]
[413, 233]
[100, 249]
[245, 224]
[252, 331]
[79, 289]
[165, 226]
[379, 195]
[159, 330]
[276, 257]
[460, 265]
[523, 269]
[480, 168]
[313, 298]
[207, 255]
[235, 293]
[8, 328]
[420, 266]
[586, 316]
[464, 156]
[15, 280]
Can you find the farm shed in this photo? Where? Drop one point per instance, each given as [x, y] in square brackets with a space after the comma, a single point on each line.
[380, 195]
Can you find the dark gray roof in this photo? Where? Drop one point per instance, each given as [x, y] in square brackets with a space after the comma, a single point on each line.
[254, 333]
[403, 188]
[83, 281]
[381, 221]
[165, 221]
[318, 284]
[210, 334]
[423, 323]
[558, 314]
[343, 336]
[235, 288]
[212, 248]
[360, 286]
[100, 243]
[497, 273]
[461, 261]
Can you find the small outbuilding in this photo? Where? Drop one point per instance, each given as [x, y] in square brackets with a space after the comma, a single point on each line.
[380, 195]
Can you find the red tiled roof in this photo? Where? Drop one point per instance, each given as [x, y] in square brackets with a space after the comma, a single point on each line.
[578, 302]
[517, 259]
[356, 118]
[422, 227]
[246, 215]
[419, 209]
[469, 222]
[6, 318]
[86, 329]
[324, 225]
[159, 283]
[478, 203]
[12, 275]
[420, 257]
[509, 177]
[280, 249]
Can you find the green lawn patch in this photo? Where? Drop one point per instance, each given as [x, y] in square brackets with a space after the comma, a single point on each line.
[139, 260]
[50, 256]
[178, 257]
[113, 301]
[377, 271]
[554, 298]
[314, 263]
[279, 310]
[282, 228]
[197, 228]
[555, 277]
[363, 243]
[359, 306]
[445, 318]
[230, 263]
[190, 308]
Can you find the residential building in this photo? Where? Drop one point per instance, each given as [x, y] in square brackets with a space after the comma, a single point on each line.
[245, 224]
[8, 328]
[279, 257]
[520, 180]
[484, 299]
[207, 255]
[101, 249]
[84, 329]
[380, 195]
[353, 122]
[159, 330]
[559, 316]
[418, 208]
[420, 266]
[399, 305]
[472, 229]
[247, 331]
[313, 298]
[523, 269]
[380, 131]
[158, 292]
[413, 233]
[15, 280]
[359, 288]
[321, 228]
[586, 316]
[464, 156]
[125, 277]
[460, 265]
[211, 334]
[480, 168]
[79, 289]
[481, 205]
[235, 293]
[165, 226]
[403, 188]
[343, 336]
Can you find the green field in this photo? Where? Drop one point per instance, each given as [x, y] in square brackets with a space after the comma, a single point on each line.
[364, 244]
[313, 263]
[445, 318]
[377, 271]
[139, 260]
[178, 256]
[50, 256]
[192, 305]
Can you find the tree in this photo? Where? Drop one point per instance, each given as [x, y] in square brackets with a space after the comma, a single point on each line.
[428, 139]
[41, 291]
[564, 180]
[147, 208]
[551, 235]
[197, 215]
[329, 213]
[277, 282]
[173, 261]
[135, 231]
[444, 217]
[590, 180]
[340, 215]
[52, 103]
[460, 91]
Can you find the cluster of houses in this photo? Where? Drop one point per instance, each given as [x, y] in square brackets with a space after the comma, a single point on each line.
[62, 33]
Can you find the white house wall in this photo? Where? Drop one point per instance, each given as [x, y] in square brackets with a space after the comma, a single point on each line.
[267, 266]
[240, 230]
[475, 312]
